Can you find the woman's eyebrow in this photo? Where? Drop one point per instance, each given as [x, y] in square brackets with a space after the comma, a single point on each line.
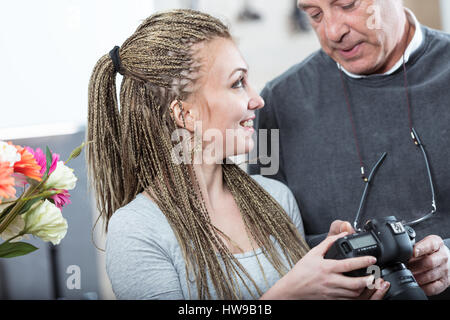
[245, 70]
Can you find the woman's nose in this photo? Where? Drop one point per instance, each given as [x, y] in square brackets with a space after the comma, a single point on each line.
[256, 102]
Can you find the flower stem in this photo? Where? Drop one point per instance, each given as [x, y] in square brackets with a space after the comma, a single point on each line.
[46, 194]
[20, 204]
[16, 236]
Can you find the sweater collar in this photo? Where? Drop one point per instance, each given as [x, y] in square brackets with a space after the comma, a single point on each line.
[415, 44]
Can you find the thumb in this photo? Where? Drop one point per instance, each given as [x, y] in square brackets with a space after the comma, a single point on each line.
[346, 227]
[326, 244]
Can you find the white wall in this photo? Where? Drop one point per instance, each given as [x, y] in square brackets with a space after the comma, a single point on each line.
[48, 49]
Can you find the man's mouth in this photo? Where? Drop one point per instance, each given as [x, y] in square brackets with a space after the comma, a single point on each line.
[350, 52]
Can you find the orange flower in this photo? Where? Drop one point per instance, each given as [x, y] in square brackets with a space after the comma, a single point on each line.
[27, 164]
[6, 181]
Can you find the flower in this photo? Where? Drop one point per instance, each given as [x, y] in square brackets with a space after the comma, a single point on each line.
[20, 180]
[41, 159]
[61, 199]
[61, 178]
[13, 229]
[46, 222]
[6, 181]
[8, 153]
[27, 164]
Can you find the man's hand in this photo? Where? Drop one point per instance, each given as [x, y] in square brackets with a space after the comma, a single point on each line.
[339, 226]
[430, 265]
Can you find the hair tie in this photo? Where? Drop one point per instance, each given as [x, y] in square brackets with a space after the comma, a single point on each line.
[114, 54]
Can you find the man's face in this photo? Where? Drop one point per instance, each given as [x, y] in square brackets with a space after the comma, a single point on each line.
[361, 35]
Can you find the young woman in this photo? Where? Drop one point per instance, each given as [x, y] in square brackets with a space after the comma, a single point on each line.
[183, 223]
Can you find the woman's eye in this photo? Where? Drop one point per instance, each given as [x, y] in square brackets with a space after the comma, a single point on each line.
[238, 84]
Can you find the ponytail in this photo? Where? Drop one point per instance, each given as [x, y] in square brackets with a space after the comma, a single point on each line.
[105, 168]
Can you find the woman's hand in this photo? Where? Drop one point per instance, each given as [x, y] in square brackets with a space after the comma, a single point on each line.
[315, 277]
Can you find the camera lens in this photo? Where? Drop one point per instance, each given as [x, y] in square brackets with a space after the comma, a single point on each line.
[403, 284]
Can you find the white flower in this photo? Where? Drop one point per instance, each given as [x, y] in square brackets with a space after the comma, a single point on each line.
[8, 153]
[61, 178]
[13, 229]
[46, 222]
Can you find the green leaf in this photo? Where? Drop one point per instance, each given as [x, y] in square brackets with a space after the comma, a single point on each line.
[15, 249]
[7, 210]
[48, 154]
[49, 159]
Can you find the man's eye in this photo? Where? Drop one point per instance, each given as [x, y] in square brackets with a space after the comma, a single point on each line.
[349, 6]
[316, 16]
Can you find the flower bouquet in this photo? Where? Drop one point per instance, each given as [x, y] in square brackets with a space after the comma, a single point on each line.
[45, 181]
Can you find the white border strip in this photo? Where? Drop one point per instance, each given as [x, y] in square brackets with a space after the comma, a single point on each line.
[445, 15]
[42, 130]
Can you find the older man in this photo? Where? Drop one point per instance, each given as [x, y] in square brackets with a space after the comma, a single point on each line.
[369, 111]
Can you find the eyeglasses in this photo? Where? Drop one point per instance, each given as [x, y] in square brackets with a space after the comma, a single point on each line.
[368, 181]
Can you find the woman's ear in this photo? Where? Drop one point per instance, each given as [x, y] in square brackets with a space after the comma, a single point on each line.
[184, 115]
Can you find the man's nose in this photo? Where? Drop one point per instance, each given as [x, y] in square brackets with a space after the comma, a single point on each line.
[335, 28]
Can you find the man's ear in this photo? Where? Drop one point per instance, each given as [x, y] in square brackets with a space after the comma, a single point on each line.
[184, 115]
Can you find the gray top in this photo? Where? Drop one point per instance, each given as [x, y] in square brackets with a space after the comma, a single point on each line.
[144, 259]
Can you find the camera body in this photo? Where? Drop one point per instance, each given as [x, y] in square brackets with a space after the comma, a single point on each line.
[391, 243]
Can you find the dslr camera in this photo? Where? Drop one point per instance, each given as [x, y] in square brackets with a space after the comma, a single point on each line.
[391, 242]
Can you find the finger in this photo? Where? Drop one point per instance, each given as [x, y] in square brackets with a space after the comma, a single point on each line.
[429, 262]
[366, 294]
[351, 264]
[436, 287]
[427, 245]
[335, 228]
[345, 294]
[325, 245]
[354, 283]
[431, 275]
[381, 292]
[371, 289]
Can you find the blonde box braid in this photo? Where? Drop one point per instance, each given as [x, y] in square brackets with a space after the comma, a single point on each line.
[131, 153]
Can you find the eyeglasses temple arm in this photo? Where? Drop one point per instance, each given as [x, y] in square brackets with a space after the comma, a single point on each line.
[415, 137]
[364, 195]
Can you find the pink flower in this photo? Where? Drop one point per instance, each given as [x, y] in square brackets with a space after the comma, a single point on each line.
[61, 199]
[41, 159]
